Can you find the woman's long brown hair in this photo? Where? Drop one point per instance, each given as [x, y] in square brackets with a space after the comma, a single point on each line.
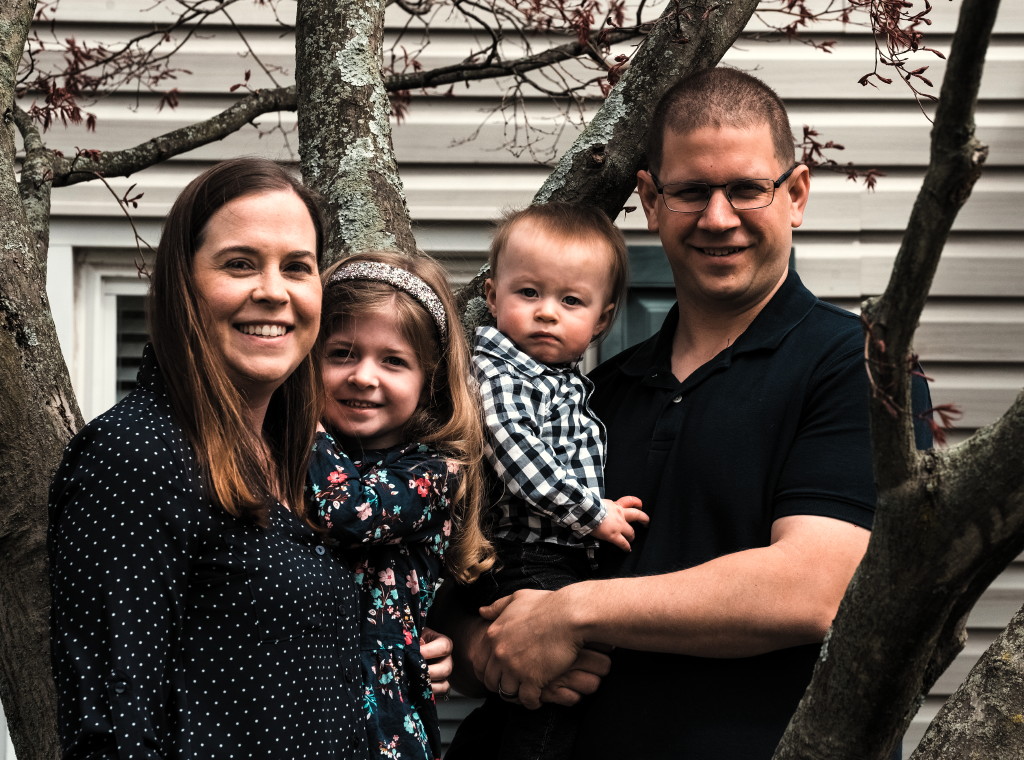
[243, 469]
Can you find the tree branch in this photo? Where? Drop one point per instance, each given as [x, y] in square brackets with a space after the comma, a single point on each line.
[955, 165]
[468, 71]
[122, 163]
[36, 184]
[983, 717]
[600, 167]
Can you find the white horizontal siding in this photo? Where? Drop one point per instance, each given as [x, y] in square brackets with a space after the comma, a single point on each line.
[475, 194]
[252, 14]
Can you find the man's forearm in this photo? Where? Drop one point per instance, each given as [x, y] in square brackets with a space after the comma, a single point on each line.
[738, 605]
[705, 612]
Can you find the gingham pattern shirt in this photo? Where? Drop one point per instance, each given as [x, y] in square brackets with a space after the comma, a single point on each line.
[543, 443]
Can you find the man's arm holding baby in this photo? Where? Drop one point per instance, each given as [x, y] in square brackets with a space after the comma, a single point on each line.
[737, 605]
[472, 652]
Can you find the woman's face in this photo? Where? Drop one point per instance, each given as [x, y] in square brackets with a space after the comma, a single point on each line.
[256, 271]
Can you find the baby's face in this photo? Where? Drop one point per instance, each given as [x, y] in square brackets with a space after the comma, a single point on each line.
[551, 295]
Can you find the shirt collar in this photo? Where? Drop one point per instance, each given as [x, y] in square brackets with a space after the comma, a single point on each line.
[149, 371]
[786, 309]
[490, 341]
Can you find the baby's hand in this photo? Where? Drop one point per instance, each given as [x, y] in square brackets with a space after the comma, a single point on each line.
[615, 528]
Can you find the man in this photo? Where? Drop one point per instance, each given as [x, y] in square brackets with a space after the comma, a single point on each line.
[743, 428]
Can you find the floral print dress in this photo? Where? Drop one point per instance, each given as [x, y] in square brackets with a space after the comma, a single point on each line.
[391, 509]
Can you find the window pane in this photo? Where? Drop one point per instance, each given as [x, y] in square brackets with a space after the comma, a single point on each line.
[131, 338]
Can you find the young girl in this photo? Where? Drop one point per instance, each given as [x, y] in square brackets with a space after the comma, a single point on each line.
[397, 476]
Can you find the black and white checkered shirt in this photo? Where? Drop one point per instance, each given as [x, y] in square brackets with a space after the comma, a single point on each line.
[543, 442]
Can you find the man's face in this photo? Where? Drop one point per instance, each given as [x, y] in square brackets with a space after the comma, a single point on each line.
[723, 260]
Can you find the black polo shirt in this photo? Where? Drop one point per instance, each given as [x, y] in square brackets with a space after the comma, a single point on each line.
[775, 425]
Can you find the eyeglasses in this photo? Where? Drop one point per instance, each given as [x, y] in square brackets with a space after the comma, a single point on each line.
[743, 194]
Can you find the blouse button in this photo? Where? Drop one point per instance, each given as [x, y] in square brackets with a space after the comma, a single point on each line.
[677, 399]
[321, 550]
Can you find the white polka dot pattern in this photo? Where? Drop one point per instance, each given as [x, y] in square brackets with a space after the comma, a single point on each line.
[180, 631]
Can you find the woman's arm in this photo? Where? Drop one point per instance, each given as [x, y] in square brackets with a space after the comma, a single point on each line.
[119, 560]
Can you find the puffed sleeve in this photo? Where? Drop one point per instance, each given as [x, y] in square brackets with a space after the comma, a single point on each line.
[404, 497]
[119, 555]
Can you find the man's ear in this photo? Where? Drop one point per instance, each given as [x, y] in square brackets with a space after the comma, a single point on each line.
[799, 192]
[492, 305]
[648, 193]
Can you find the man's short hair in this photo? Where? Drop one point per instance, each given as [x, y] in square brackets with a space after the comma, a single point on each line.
[716, 98]
[572, 222]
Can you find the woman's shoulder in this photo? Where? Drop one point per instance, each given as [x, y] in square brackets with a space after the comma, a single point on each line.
[141, 422]
[135, 440]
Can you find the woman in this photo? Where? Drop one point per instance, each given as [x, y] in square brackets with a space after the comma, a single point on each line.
[195, 612]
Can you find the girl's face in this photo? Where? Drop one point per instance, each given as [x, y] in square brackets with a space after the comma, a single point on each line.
[372, 379]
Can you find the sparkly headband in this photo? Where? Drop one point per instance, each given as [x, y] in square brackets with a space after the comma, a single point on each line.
[405, 281]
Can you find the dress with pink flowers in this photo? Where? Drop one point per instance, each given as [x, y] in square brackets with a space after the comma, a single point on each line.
[392, 509]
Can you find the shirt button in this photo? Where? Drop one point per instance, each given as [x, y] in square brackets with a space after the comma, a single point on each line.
[677, 399]
[321, 550]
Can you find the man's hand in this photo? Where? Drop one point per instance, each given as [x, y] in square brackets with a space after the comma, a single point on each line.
[436, 649]
[583, 678]
[531, 643]
[615, 528]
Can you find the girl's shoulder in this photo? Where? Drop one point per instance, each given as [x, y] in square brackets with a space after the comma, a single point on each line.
[410, 459]
[411, 455]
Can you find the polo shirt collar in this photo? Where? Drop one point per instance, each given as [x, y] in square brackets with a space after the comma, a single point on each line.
[490, 341]
[786, 309]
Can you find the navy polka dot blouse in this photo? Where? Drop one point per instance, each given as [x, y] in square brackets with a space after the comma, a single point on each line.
[179, 631]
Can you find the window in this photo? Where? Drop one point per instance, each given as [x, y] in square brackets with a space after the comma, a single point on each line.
[109, 329]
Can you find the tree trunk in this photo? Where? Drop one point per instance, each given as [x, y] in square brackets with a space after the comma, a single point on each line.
[600, 168]
[344, 132]
[947, 521]
[39, 416]
[984, 719]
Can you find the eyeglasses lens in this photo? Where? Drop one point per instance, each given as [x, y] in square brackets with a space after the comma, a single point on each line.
[693, 197]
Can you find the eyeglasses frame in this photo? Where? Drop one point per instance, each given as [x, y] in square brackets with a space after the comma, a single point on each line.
[775, 186]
